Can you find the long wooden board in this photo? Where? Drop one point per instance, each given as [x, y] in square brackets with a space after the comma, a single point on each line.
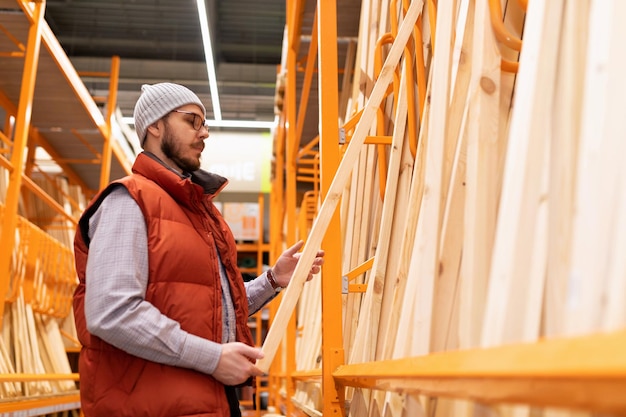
[505, 316]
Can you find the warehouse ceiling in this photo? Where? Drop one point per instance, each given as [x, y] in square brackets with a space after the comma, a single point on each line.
[160, 40]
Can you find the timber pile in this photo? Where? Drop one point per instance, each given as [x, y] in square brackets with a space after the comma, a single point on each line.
[41, 285]
[309, 316]
[309, 345]
[70, 197]
[503, 213]
[42, 282]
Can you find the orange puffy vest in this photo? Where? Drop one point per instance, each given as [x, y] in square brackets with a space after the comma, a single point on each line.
[184, 228]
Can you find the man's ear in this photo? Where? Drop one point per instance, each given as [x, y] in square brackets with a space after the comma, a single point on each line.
[155, 128]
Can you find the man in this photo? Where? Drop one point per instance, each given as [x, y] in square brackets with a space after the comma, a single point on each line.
[161, 309]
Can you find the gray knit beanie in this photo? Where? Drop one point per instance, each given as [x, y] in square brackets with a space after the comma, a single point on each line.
[157, 100]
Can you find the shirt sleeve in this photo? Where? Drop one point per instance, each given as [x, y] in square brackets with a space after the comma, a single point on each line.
[260, 292]
[116, 279]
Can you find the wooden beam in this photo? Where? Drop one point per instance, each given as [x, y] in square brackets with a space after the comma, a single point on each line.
[508, 310]
[563, 163]
[585, 372]
[592, 303]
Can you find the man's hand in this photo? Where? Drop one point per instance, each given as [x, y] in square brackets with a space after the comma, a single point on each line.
[234, 366]
[286, 264]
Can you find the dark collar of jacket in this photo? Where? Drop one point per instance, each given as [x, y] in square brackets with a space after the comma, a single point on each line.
[211, 183]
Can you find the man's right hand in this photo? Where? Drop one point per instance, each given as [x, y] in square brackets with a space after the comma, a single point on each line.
[236, 363]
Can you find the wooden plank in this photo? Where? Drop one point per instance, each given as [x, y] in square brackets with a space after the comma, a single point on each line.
[598, 192]
[43, 387]
[445, 314]
[530, 330]
[293, 290]
[402, 209]
[372, 34]
[347, 78]
[615, 310]
[394, 338]
[445, 321]
[398, 232]
[505, 313]
[359, 84]
[348, 201]
[4, 180]
[481, 177]
[567, 109]
[309, 344]
[50, 336]
[9, 389]
[424, 259]
[354, 241]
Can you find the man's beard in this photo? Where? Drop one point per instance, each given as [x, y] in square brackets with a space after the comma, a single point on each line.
[172, 149]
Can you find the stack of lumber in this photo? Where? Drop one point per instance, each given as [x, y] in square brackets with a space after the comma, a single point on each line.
[69, 197]
[502, 215]
[32, 344]
[309, 345]
[42, 279]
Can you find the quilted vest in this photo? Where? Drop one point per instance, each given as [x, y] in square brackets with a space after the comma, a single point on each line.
[184, 228]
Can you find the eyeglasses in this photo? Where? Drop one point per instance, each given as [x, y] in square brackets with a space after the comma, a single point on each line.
[197, 122]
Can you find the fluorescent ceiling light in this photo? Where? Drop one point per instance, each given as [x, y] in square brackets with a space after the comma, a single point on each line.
[208, 55]
[210, 64]
[247, 124]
